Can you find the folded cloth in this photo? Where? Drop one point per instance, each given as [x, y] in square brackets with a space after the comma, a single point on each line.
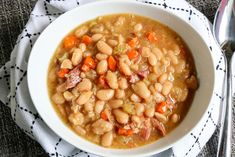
[14, 89]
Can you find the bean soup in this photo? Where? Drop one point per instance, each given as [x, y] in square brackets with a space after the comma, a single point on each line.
[122, 80]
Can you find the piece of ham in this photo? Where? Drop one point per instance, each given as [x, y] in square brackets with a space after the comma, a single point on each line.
[145, 131]
[134, 78]
[73, 78]
[159, 126]
[143, 73]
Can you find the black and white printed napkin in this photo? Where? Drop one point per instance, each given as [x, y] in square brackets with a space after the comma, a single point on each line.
[14, 90]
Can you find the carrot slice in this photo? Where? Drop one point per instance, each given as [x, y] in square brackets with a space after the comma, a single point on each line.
[122, 131]
[112, 63]
[70, 42]
[129, 132]
[125, 132]
[86, 39]
[162, 107]
[62, 72]
[90, 62]
[104, 116]
[152, 36]
[132, 54]
[85, 68]
[133, 42]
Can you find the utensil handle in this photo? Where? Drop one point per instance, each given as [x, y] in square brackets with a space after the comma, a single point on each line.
[224, 142]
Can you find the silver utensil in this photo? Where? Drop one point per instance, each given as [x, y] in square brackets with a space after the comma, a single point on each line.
[224, 33]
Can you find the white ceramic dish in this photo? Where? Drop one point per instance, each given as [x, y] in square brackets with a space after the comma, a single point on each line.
[48, 41]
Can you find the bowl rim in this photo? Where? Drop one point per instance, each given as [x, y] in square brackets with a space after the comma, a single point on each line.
[29, 69]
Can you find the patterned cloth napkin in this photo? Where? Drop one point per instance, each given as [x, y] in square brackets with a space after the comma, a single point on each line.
[14, 90]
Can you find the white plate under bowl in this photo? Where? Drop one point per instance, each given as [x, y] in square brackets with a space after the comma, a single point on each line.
[48, 41]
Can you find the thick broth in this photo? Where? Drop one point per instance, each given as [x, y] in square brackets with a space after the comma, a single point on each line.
[180, 71]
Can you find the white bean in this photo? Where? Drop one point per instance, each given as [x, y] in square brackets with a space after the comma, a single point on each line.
[84, 97]
[158, 53]
[105, 94]
[141, 89]
[163, 78]
[79, 130]
[101, 126]
[152, 59]
[99, 106]
[122, 83]
[76, 57]
[145, 52]
[66, 64]
[82, 47]
[58, 99]
[89, 107]
[158, 97]
[116, 103]
[96, 37]
[158, 87]
[174, 59]
[121, 116]
[161, 117]
[84, 85]
[135, 119]
[119, 93]
[171, 69]
[180, 66]
[135, 98]
[120, 21]
[101, 56]
[76, 118]
[139, 108]
[99, 28]
[107, 139]
[125, 68]
[138, 27]
[81, 31]
[61, 110]
[112, 42]
[68, 96]
[102, 67]
[167, 86]
[112, 81]
[149, 111]
[175, 118]
[61, 88]
[104, 48]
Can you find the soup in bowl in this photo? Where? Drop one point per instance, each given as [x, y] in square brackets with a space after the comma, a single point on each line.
[121, 79]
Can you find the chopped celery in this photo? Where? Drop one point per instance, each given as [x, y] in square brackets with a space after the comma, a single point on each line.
[120, 49]
[129, 108]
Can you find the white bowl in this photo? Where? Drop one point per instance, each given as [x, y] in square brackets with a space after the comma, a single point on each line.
[48, 41]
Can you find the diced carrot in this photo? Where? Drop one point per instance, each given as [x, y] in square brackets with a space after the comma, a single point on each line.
[133, 42]
[104, 116]
[62, 72]
[152, 36]
[86, 39]
[129, 132]
[90, 62]
[112, 63]
[162, 107]
[125, 132]
[122, 131]
[70, 42]
[132, 54]
[85, 68]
